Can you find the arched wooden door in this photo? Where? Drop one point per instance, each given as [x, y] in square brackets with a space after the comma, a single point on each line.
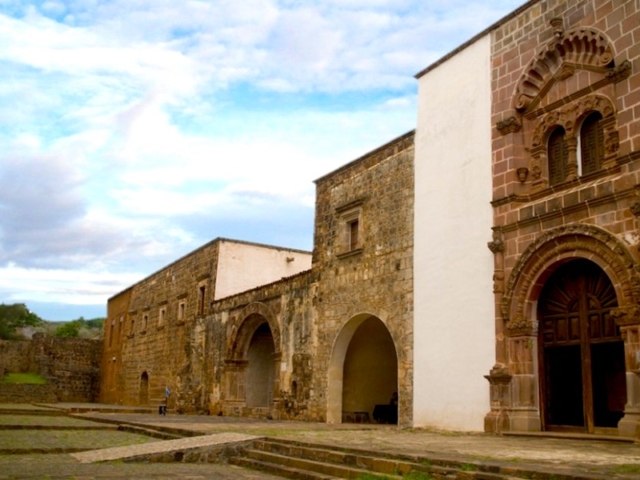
[582, 374]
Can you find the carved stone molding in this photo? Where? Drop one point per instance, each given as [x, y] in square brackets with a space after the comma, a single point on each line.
[496, 246]
[619, 73]
[570, 115]
[580, 47]
[520, 325]
[573, 241]
[624, 316]
[635, 208]
[510, 125]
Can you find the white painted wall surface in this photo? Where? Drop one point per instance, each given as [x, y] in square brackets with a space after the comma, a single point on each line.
[453, 268]
[243, 266]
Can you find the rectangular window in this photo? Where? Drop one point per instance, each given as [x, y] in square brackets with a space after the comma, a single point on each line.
[181, 311]
[145, 321]
[161, 316]
[353, 234]
[201, 299]
[113, 322]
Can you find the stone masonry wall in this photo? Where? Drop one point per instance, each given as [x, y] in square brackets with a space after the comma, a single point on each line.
[288, 305]
[529, 100]
[16, 356]
[70, 365]
[27, 393]
[377, 278]
[157, 343]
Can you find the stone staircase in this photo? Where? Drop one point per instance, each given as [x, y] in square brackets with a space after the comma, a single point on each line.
[306, 461]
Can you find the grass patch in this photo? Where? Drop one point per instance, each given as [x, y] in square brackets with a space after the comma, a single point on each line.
[371, 476]
[24, 378]
[468, 467]
[627, 468]
[416, 475]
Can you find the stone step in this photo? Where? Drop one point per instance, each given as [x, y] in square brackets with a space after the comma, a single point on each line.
[344, 462]
[149, 432]
[352, 459]
[278, 469]
[324, 469]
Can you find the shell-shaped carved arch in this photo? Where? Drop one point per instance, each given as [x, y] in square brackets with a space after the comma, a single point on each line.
[581, 47]
[570, 116]
[248, 320]
[564, 243]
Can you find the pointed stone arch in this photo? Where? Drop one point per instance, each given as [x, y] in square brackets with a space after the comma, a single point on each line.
[581, 48]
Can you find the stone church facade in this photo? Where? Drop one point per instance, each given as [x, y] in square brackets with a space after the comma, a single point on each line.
[566, 160]
[528, 142]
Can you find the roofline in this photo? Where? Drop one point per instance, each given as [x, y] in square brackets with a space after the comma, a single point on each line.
[477, 37]
[346, 166]
[202, 247]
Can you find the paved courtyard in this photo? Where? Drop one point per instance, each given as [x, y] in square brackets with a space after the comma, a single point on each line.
[608, 459]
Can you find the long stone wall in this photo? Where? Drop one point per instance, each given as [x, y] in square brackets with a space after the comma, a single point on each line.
[70, 365]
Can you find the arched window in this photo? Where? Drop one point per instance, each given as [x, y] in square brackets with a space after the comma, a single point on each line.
[558, 156]
[591, 144]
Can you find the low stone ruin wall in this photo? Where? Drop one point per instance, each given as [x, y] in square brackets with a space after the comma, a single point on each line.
[15, 393]
[70, 365]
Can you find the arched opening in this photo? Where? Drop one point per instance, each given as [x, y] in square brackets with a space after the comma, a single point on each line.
[581, 354]
[363, 373]
[260, 371]
[144, 389]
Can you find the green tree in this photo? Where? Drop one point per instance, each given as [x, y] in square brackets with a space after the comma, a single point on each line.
[69, 329]
[13, 317]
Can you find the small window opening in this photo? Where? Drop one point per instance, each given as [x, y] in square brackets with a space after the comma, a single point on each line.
[353, 229]
[201, 299]
[558, 156]
[591, 144]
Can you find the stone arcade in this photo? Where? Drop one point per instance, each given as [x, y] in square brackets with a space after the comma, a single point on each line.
[528, 140]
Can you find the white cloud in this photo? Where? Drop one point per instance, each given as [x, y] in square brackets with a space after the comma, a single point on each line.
[132, 132]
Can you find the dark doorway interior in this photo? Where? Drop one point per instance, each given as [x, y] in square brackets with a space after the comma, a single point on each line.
[582, 352]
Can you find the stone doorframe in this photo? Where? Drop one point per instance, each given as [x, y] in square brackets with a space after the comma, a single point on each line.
[515, 398]
[243, 328]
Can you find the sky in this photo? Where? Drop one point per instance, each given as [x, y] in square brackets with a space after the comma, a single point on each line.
[134, 131]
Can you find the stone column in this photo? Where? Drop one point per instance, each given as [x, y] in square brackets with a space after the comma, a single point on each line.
[497, 420]
[629, 425]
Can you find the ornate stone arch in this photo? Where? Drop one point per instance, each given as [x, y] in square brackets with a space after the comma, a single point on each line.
[570, 118]
[581, 48]
[248, 320]
[555, 247]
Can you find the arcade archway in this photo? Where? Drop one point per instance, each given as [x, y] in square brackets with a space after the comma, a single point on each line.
[363, 373]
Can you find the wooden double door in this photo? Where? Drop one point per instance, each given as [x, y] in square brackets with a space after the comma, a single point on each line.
[581, 354]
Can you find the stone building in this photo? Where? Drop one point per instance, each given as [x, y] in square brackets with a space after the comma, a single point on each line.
[566, 164]
[538, 117]
[528, 142]
[148, 324]
[324, 343]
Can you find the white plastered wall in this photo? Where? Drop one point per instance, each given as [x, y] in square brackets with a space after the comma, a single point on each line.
[453, 268]
[243, 266]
